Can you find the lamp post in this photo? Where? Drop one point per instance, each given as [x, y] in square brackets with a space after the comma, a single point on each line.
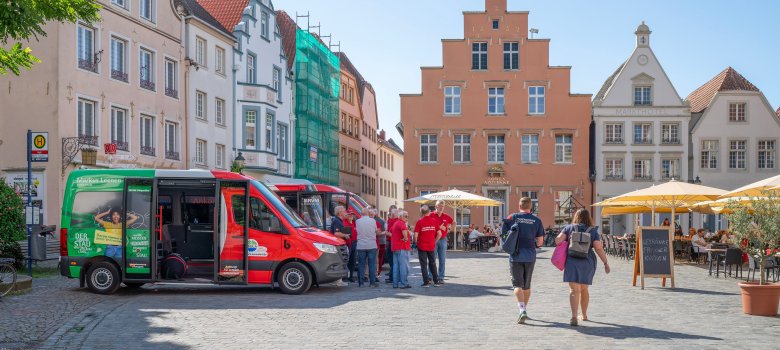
[407, 186]
[695, 181]
[240, 162]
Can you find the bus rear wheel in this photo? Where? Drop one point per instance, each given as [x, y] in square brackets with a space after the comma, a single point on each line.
[294, 278]
[103, 278]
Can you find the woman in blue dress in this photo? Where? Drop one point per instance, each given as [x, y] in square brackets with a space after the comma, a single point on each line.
[579, 272]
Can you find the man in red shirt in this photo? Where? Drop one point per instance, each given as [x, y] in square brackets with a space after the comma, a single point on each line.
[401, 245]
[426, 233]
[443, 225]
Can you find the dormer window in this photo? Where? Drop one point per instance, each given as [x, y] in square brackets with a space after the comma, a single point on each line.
[642, 96]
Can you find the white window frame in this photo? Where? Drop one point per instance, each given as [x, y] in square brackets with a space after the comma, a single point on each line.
[496, 148]
[270, 119]
[201, 150]
[512, 55]
[613, 169]
[201, 52]
[613, 133]
[171, 78]
[737, 112]
[219, 156]
[251, 69]
[452, 100]
[537, 100]
[645, 167]
[124, 4]
[219, 60]
[85, 104]
[673, 169]
[152, 141]
[83, 53]
[219, 111]
[115, 134]
[670, 133]
[253, 135]
[564, 151]
[429, 148]
[116, 42]
[738, 154]
[766, 154]
[496, 96]
[644, 99]
[277, 82]
[201, 105]
[281, 141]
[709, 155]
[150, 6]
[171, 139]
[461, 146]
[646, 133]
[530, 148]
[265, 24]
[479, 55]
[150, 70]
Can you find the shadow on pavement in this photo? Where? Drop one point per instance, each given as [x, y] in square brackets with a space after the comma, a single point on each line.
[616, 331]
[692, 291]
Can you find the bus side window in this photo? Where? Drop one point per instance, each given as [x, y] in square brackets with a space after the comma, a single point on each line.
[261, 218]
[237, 202]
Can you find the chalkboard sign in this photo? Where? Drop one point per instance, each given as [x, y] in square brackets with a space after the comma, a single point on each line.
[654, 254]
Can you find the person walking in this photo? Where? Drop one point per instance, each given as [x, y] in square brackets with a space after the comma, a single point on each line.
[401, 245]
[338, 229]
[530, 233]
[366, 247]
[579, 272]
[426, 234]
[443, 226]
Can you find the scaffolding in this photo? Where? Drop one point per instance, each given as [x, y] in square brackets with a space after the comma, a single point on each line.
[317, 82]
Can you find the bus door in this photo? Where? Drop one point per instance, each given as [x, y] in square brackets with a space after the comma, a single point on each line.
[230, 253]
[139, 230]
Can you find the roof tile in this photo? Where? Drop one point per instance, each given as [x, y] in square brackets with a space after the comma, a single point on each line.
[227, 12]
[288, 29]
[727, 80]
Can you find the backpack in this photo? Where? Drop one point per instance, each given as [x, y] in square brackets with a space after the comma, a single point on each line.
[173, 267]
[580, 242]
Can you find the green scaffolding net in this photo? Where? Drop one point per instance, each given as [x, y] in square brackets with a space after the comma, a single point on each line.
[317, 110]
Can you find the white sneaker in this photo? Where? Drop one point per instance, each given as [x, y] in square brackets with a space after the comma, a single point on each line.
[340, 283]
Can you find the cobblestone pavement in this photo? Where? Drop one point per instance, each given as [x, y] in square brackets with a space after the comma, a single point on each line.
[474, 309]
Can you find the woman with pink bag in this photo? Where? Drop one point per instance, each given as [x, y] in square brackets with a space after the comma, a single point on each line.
[579, 270]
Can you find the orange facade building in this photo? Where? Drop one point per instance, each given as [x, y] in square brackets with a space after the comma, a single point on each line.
[497, 120]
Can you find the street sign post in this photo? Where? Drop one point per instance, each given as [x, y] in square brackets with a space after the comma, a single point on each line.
[40, 147]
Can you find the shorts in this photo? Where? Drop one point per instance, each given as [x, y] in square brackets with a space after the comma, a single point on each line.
[521, 274]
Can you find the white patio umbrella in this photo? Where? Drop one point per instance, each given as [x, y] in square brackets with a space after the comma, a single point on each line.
[456, 199]
[756, 189]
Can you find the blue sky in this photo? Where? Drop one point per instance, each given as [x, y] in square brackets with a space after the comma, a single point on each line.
[388, 41]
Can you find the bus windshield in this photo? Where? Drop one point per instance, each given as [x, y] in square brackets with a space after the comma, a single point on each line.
[360, 200]
[281, 206]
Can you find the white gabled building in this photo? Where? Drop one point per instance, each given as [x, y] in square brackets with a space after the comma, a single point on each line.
[263, 87]
[641, 132]
[209, 88]
[734, 136]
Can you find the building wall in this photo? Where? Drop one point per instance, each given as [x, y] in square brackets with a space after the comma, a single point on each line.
[762, 124]
[390, 186]
[616, 106]
[215, 83]
[565, 114]
[368, 144]
[266, 160]
[350, 127]
[51, 102]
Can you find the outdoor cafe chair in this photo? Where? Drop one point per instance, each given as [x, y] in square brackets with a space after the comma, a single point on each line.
[732, 259]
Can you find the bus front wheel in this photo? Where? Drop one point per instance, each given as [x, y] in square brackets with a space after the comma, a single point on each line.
[103, 278]
[294, 278]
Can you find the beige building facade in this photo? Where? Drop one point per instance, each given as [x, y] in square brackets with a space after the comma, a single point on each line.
[116, 82]
[390, 184]
[350, 125]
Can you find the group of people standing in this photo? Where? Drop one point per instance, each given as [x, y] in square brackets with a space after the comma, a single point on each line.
[371, 241]
[578, 272]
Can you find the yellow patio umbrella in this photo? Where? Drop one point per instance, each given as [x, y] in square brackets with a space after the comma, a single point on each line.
[669, 195]
[758, 188]
[720, 206]
[456, 199]
[620, 210]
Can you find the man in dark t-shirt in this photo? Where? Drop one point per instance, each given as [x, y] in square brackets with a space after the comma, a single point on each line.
[521, 262]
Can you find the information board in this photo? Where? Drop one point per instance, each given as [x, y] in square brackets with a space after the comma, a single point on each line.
[654, 256]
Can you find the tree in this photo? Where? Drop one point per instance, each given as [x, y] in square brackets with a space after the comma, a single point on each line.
[11, 223]
[21, 20]
[757, 225]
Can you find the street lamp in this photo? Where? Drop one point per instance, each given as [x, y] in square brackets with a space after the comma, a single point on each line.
[240, 162]
[407, 186]
[695, 181]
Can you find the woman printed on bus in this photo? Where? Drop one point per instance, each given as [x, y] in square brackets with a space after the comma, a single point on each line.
[114, 227]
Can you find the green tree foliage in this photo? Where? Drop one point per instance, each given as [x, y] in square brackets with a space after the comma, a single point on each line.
[22, 20]
[757, 225]
[11, 223]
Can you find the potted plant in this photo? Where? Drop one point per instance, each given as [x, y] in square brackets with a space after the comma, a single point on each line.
[756, 224]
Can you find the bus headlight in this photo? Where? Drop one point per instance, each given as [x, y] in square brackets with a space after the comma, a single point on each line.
[326, 248]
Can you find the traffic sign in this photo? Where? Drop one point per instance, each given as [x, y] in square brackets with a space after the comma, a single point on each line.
[40, 147]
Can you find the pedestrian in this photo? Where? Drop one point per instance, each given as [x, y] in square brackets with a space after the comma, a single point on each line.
[391, 219]
[349, 223]
[381, 242]
[401, 245]
[366, 247]
[426, 234]
[579, 272]
[530, 233]
[339, 229]
[443, 225]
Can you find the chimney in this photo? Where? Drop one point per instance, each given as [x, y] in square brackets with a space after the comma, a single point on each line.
[382, 134]
[495, 6]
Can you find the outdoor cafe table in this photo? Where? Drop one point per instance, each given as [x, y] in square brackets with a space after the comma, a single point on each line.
[486, 241]
[718, 254]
